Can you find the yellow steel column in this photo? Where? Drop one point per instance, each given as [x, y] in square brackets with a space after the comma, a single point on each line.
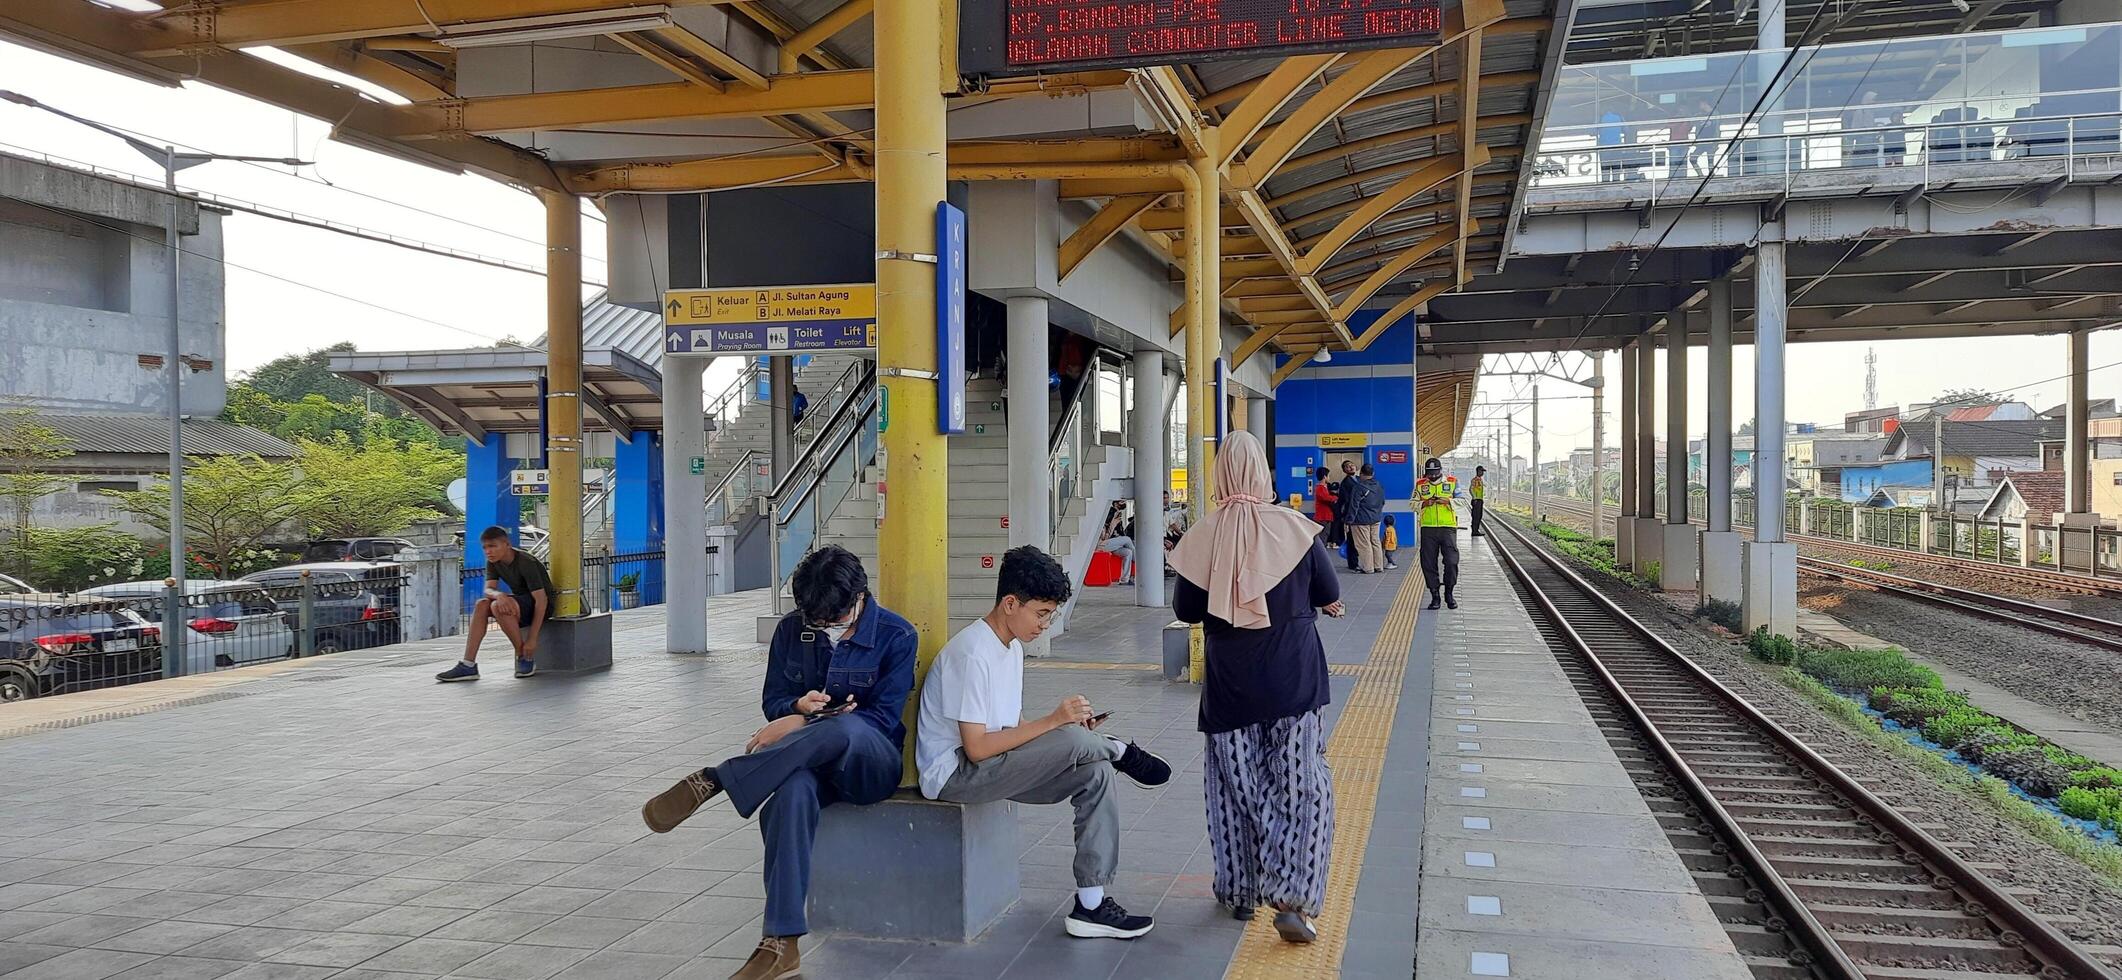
[563, 394]
[913, 545]
[1204, 257]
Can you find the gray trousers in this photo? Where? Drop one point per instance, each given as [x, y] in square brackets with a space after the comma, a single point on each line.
[1069, 763]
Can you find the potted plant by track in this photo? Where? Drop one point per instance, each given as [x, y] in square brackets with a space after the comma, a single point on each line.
[629, 590]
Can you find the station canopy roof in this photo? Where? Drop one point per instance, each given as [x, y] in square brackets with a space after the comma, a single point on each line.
[1368, 179]
[482, 390]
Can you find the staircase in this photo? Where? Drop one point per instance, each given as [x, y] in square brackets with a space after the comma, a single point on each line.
[979, 503]
[745, 424]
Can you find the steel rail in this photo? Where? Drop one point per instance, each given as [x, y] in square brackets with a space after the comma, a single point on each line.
[1809, 932]
[2016, 926]
[2057, 622]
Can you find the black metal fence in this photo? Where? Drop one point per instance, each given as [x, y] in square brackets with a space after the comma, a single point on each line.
[609, 582]
[119, 634]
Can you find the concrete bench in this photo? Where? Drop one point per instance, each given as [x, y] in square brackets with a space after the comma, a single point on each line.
[577, 645]
[911, 868]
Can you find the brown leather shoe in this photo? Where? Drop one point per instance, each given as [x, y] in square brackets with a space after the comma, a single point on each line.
[666, 810]
[776, 959]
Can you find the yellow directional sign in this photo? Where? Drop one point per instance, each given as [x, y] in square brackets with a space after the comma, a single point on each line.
[770, 319]
[770, 304]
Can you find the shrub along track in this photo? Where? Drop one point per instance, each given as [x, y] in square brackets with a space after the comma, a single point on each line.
[2077, 678]
[1861, 889]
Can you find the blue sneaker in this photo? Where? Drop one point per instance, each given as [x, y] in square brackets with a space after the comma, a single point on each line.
[461, 671]
[525, 667]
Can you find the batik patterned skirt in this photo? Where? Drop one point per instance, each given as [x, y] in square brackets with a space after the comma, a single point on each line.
[1271, 813]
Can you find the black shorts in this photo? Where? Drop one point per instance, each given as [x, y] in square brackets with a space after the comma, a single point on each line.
[526, 610]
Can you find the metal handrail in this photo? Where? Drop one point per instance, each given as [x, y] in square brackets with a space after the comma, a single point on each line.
[1733, 155]
[850, 381]
[848, 424]
[1071, 414]
[810, 461]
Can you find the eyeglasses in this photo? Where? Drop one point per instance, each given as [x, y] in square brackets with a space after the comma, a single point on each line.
[853, 613]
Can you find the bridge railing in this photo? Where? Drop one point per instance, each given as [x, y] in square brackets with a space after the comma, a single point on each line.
[2049, 94]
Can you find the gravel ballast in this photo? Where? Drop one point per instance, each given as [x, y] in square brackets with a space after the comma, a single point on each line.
[2054, 883]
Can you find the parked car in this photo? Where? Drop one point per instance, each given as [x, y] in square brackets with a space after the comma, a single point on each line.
[10, 585]
[353, 549]
[53, 644]
[231, 623]
[353, 604]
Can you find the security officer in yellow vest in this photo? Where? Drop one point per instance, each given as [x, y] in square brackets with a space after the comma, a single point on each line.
[1479, 492]
[1440, 532]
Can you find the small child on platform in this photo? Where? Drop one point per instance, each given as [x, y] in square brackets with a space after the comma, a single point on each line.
[1390, 541]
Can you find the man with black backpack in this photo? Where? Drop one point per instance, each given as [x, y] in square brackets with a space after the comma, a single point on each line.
[1363, 501]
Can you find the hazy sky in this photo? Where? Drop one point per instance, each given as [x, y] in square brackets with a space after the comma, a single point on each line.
[292, 288]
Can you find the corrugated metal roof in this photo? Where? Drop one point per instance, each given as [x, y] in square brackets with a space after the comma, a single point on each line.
[639, 333]
[1997, 437]
[150, 434]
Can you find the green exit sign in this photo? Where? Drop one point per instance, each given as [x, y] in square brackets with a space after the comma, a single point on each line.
[697, 466]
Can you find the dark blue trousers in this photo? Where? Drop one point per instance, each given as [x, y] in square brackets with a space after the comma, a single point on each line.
[838, 760]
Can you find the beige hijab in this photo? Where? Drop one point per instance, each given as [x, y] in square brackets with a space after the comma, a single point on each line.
[1248, 544]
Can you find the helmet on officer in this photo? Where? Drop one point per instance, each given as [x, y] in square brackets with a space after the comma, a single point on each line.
[1433, 469]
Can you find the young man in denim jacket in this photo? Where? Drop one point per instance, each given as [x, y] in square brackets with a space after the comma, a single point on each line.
[837, 677]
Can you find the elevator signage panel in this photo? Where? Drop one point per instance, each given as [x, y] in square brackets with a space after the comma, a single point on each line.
[950, 319]
[1023, 36]
[770, 319]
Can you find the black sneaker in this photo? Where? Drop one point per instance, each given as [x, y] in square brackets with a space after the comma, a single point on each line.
[1107, 921]
[1451, 600]
[1435, 601]
[1144, 767]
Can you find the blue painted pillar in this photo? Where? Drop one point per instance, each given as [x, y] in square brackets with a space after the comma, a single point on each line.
[487, 500]
[637, 511]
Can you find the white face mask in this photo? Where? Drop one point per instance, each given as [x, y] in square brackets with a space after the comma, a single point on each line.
[839, 634]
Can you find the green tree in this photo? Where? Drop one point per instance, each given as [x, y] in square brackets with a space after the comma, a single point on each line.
[317, 419]
[69, 559]
[253, 407]
[28, 447]
[232, 506]
[1952, 398]
[376, 487]
[294, 377]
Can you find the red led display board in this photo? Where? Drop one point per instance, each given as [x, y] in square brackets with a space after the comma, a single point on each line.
[1022, 36]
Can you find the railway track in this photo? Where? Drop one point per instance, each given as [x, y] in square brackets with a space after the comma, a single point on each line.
[2034, 616]
[2038, 578]
[1850, 886]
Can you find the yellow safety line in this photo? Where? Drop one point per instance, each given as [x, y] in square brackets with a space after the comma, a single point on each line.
[1081, 665]
[1356, 751]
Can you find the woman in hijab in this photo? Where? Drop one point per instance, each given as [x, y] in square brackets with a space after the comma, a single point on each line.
[1255, 575]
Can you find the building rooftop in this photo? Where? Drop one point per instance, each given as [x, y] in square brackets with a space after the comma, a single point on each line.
[1990, 438]
[2040, 490]
[149, 434]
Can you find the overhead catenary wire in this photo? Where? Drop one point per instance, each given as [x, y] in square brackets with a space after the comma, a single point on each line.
[293, 217]
[194, 253]
[320, 181]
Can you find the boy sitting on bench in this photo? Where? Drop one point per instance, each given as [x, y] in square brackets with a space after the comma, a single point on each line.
[972, 744]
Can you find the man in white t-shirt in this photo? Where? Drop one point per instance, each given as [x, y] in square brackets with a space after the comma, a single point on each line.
[972, 744]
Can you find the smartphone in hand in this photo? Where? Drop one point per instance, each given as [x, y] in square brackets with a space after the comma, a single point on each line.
[837, 708]
[1098, 719]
